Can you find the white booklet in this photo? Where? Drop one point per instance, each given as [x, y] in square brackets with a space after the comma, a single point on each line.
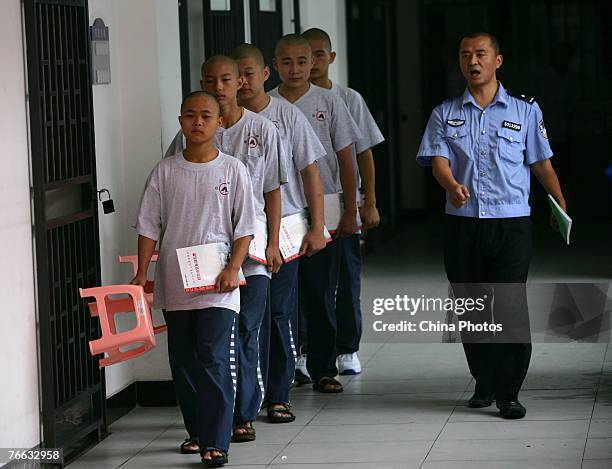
[563, 219]
[334, 207]
[201, 265]
[259, 243]
[292, 231]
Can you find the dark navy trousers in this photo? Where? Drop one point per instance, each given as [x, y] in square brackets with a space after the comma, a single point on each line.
[348, 296]
[280, 368]
[250, 389]
[200, 351]
[318, 279]
[489, 258]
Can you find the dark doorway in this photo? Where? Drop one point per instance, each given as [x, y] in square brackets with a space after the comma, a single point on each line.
[65, 220]
[266, 30]
[371, 48]
[223, 26]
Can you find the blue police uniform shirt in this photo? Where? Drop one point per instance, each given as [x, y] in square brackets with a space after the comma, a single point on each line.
[489, 151]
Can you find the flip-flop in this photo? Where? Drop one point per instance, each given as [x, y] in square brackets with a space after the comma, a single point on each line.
[274, 410]
[185, 446]
[324, 385]
[214, 462]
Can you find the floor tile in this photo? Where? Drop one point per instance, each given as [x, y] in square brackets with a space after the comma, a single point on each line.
[515, 430]
[508, 450]
[356, 452]
[598, 448]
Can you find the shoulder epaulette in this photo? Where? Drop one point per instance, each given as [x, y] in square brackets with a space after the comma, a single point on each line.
[523, 97]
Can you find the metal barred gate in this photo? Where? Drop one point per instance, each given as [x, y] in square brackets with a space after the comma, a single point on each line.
[65, 219]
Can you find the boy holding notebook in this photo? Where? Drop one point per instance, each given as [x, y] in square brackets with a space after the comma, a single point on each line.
[183, 194]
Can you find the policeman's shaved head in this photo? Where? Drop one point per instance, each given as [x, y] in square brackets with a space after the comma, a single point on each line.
[248, 51]
[220, 59]
[492, 39]
[291, 40]
[201, 94]
[316, 34]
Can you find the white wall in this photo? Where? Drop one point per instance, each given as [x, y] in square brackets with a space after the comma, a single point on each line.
[330, 16]
[19, 396]
[135, 119]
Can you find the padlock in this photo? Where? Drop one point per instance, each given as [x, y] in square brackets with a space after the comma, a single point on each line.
[108, 206]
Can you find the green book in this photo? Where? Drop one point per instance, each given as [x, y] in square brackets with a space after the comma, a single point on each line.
[563, 220]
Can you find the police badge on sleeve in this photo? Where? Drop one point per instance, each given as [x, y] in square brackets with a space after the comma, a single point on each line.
[542, 129]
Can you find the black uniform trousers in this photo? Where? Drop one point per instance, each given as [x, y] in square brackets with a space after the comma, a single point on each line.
[488, 259]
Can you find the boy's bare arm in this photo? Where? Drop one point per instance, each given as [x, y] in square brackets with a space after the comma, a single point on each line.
[273, 215]
[146, 247]
[368, 211]
[314, 240]
[227, 280]
[348, 221]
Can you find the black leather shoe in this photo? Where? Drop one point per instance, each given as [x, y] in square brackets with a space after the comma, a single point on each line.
[511, 409]
[478, 401]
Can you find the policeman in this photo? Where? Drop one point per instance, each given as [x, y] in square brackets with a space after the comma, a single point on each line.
[481, 146]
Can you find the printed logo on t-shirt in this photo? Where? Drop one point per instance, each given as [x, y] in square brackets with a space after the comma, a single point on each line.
[320, 115]
[276, 123]
[223, 188]
[252, 141]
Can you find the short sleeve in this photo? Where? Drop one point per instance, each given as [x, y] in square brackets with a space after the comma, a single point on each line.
[372, 135]
[306, 146]
[275, 170]
[243, 210]
[149, 213]
[537, 147]
[343, 129]
[433, 142]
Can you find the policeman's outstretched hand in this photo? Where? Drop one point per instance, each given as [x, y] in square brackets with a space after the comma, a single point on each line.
[459, 195]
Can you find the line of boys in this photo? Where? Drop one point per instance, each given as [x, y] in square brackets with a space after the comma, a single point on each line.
[199, 194]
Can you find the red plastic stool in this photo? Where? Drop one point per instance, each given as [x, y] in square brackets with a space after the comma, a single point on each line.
[105, 309]
[148, 287]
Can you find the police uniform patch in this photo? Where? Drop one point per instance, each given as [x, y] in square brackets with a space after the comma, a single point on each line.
[542, 129]
[455, 122]
[512, 126]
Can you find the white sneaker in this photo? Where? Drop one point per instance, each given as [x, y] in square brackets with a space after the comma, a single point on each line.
[301, 372]
[348, 364]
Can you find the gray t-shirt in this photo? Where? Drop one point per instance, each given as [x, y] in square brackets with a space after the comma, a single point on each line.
[333, 124]
[255, 141]
[358, 108]
[302, 148]
[187, 204]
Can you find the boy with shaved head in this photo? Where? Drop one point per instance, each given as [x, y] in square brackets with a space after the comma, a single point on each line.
[333, 124]
[304, 188]
[348, 307]
[181, 197]
[255, 141]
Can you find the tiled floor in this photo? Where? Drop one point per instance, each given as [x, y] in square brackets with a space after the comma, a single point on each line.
[407, 409]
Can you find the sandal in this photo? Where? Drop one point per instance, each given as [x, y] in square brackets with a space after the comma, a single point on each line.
[217, 461]
[275, 412]
[328, 385]
[190, 446]
[247, 435]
